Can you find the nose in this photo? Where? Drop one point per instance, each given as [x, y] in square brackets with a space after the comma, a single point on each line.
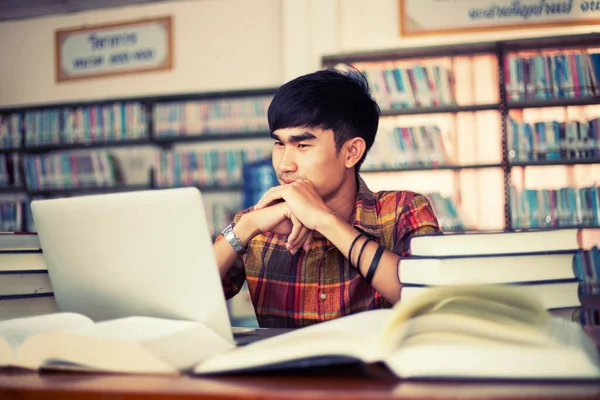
[287, 162]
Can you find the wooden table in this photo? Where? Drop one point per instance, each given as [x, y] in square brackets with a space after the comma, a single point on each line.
[331, 386]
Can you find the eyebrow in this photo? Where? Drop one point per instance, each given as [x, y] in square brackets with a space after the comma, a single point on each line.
[296, 138]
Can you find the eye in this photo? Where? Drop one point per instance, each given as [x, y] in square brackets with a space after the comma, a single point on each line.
[278, 144]
[303, 146]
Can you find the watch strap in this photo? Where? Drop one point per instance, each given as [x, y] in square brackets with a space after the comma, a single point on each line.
[233, 239]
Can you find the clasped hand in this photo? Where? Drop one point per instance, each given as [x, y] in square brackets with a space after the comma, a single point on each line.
[295, 209]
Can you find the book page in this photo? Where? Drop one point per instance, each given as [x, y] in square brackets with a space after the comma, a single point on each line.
[487, 332]
[493, 302]
[15, 331]
[134, 329]
[7, 354]
[354, 336]
[442, 355]
[147, 343]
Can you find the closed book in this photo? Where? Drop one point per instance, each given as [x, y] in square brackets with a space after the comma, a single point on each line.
[551, 294]
[482, 243]
[26, 260]
[505, 268]
[17, 306]
[19, 241]
[25, 282]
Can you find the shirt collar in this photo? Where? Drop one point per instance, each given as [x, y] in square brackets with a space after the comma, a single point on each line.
[364, 215]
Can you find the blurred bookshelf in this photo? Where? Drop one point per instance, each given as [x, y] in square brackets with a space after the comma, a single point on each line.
[130, 144]
[500, 135]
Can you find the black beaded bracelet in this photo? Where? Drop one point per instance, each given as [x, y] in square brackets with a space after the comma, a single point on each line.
[374, 264]
[352, 246]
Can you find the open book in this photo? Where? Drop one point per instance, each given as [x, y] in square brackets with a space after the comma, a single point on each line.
[459, 332]
[447, 332]
[126, 345]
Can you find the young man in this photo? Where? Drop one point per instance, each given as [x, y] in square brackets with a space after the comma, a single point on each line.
[321, 245]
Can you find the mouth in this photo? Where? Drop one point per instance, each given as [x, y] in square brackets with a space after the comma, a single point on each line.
[287, 181]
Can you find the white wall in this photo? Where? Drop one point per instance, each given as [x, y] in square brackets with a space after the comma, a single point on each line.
[219, 45]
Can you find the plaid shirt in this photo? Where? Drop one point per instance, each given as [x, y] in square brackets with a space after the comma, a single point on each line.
[293, 291]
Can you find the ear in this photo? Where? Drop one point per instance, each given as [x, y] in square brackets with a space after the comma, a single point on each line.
[354, 150]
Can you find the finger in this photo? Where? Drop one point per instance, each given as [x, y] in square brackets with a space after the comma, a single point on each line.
[270, 196]
[296, 228]
[301, 238]
[308, 241]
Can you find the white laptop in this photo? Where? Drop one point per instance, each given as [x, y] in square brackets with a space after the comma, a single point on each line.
[146, 253]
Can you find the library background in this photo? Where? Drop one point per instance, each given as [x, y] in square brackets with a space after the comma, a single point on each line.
[499, 128]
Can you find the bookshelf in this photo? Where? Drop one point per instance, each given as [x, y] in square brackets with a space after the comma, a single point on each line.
[481, 97]
[129, 144]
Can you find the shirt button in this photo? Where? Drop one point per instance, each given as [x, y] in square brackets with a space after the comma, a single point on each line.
[323, 296]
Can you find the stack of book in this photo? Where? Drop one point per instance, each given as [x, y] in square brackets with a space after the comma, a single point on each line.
[557, 266]
[25, 288]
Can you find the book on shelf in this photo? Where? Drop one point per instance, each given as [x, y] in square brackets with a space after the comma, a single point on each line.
[398, 146]
[553, 140]
[567, 206]
[561, 75]
[447, 333]
[211, 116]
[399, 87]
[12, 212]
[119, 121]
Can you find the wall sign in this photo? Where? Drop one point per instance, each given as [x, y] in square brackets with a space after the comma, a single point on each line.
[434, 17]
[121, 48]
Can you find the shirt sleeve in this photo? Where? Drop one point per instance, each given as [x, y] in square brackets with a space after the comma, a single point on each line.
[416, 217]
[235, 277]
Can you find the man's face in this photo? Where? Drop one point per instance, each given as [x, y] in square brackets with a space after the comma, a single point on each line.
[308, 153]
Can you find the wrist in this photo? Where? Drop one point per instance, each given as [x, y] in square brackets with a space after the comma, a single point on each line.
[328, 224]
[246, 229]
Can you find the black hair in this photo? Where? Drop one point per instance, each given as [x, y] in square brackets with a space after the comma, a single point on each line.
[328, 99]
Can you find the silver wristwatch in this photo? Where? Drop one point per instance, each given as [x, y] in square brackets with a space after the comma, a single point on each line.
[232, 238]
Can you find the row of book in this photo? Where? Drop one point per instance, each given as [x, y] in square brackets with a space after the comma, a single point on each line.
[397, 87]
[445, 210]
[9, 170]
[554, 140]
[547, 208]
[129, 120]
[11, 215]
[205, 166]
[68, 170]
[559, 75]
[85, 124]
[397, 147]
[586, 265]
[197, 117]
